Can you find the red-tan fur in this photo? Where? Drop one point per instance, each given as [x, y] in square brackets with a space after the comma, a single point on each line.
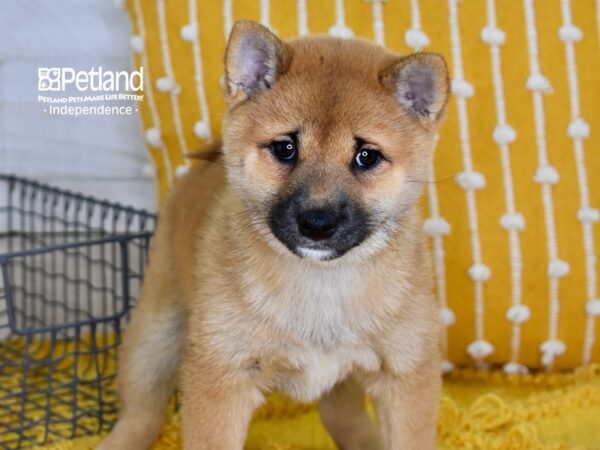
[241, 315]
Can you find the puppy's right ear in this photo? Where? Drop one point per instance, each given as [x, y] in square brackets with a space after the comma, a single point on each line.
[254, 59]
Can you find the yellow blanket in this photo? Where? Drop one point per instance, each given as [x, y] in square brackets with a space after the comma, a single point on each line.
[480, 410]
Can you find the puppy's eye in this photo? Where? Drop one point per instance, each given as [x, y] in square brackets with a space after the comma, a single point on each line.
[366, 158]
[285, 151]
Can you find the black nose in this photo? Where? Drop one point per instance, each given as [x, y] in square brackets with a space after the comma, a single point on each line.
[317, 224]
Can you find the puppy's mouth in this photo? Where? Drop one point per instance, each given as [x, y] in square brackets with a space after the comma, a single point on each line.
[317, 254]
[321, 232]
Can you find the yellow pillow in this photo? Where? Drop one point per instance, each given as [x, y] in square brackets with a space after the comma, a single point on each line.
[513, 214]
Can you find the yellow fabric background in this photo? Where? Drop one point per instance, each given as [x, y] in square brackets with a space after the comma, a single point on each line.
[479, 411]
[486, 157]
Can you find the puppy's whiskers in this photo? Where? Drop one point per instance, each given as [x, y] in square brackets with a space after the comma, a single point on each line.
[443, 180]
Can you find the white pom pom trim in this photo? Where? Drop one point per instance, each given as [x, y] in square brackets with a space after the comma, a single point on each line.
[201, 130]
[137, 44]
[558, 268]
[547, 359]
[518, 314]
[470, 180]
[550, 349]
[504, 134]
[447, 366]
[570, 33]
[447, 316]
[546, 175]
[538, 82]
[462, 88]
[588, 215]
[181, 170]
[592, 307]
[480, 349]
[578, 129]
[436, 226]
[513, 368]
[480, 272]
[512, 221]
[341, 31]
[416, 39]
[166, 84]
[493, 36]
[189, 32]
[553, 346]
[153, 137]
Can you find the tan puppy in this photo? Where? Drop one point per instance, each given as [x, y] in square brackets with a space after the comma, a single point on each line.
[299, 263]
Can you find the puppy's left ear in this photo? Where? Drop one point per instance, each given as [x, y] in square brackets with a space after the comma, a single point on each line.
[421, 85]
[254, 59]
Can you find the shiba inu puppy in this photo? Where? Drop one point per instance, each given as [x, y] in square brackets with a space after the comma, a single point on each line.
[296, 261]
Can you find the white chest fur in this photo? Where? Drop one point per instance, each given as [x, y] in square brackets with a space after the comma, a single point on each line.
[322, 315]
[318, 371]
[322, 307]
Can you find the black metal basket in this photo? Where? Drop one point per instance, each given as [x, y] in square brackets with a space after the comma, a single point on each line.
[71, 270]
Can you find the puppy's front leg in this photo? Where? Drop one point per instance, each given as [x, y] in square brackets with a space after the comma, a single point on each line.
[217, 407]
[345, 417]
[407, 407]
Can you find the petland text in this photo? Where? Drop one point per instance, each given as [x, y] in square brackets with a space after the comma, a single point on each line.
[57, 79]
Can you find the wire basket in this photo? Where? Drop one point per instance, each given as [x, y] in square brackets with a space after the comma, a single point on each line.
[71, 268]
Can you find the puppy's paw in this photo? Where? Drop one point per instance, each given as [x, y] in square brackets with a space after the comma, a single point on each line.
[124, 437]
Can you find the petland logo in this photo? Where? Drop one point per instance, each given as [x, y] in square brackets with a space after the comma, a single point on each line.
[101, 92]
[58, 79]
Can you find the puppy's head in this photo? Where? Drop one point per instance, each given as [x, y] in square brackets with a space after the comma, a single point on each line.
[323, 136]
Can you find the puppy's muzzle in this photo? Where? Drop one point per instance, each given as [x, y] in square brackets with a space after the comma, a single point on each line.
[327, 228]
